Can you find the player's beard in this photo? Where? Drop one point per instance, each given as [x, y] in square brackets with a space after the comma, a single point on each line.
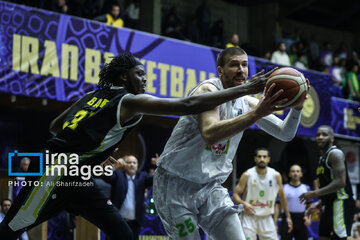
[259, 165]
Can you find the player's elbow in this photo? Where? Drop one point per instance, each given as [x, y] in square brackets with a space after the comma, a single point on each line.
[234, 198]
[341, 183]
[194, 105]
[209, 138]
[188, 106]
[288, 139]
[287, 136]
[52, 129]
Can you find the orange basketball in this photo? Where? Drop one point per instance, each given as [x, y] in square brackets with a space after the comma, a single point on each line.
[292, 82]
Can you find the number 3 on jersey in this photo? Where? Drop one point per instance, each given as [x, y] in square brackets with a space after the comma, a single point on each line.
[77, 118]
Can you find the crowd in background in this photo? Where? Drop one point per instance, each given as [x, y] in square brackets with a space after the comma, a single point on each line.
[340, 62]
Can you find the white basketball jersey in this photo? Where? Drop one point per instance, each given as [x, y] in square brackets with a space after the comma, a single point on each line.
[188, 156]
[262, 191]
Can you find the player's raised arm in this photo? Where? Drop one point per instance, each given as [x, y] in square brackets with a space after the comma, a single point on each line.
[146, 104]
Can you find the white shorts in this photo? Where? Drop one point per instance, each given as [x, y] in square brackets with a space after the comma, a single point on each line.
[261, 225]
[183, 205]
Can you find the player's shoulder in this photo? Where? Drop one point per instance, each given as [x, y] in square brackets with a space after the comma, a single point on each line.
[336, 154]
[272, 170]
[246, 174]
[336, 151]
[207, 86]
[252, 101]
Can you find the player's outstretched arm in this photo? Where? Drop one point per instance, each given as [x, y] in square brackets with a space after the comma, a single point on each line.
[146, 104]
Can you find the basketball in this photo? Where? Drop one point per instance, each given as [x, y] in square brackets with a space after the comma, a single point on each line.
[292, 82]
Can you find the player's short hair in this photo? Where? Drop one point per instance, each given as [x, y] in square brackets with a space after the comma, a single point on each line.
[261, 149]
[330, 129]
[5, 199]
[295, 164]
[226, 53]
[111, 72]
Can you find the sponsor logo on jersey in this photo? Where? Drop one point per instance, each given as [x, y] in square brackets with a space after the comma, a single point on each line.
[257, 203]
[218, 148]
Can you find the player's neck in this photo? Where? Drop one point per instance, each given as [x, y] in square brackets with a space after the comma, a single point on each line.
[295, 183]
[261, 171]
[324, 150]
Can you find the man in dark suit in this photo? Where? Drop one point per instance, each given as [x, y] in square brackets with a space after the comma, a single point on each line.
[127, 192]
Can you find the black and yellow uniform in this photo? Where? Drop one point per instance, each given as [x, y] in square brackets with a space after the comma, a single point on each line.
[109, 19]
[117, 22]
[335, 222]
[92, 130]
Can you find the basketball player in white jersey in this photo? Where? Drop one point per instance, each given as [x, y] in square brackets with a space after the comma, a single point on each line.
[260, 185]
[197, 158]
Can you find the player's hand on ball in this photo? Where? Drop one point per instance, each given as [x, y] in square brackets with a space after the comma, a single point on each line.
[269, 102]
[258, 81]
[301, 104]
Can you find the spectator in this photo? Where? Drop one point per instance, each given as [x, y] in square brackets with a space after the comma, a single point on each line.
[356, 235]
[326, 55]
[337, 75]
[293, 54]
[314, 48]
[352, 81]
[341, 52]
[302, 50]
[127, 192]
[60, 6]
[172, 25]
[267, 55]
[301, 63]
[191, 31]
[344, 87]
[87, 8]
[217, 34]
[250, 49]
[23, 167]
[280, 56]
[112, 17]
[355, 57]
[234, 42]
[335, 72]
[5, 206]
[132, 13]
[292, 191]
[203, 15]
